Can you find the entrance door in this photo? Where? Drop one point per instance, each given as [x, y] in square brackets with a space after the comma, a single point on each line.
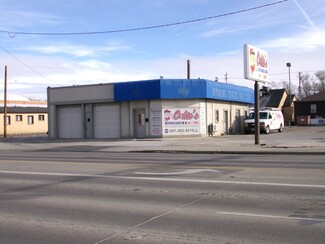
[139, 123]
[238, 122]
[88, 123]
[225, 122]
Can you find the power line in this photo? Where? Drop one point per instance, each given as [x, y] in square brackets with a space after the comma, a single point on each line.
[306, 71]
[27, 66]
[14, 33]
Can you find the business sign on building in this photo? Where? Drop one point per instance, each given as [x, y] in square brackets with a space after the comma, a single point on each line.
[184, 121]
[155, 122]
[255, 64]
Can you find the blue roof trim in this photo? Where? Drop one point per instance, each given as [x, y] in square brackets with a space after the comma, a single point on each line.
[181, 89]
[137, 90]
[229, 92]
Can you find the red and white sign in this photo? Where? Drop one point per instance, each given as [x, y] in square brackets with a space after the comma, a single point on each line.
[181, 121]
[255, 64]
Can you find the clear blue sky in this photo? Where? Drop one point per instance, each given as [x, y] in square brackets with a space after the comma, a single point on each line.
[292, 31]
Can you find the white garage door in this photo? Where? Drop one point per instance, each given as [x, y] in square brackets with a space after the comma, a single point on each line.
[107, 121]
[70, 122]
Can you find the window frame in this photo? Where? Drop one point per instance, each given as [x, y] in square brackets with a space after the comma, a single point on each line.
[19, 118]
[8, 120]
[313, 108]
[41, 117]
[30, 119]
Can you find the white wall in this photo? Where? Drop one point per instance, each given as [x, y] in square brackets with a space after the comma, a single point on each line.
[223, 106]
[75, 95]
[191, 103]
[52, 121]
[81, 93]
[125, 120]
[92, 94]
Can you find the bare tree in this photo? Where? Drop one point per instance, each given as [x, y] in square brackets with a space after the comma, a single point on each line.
[273, 84]
[321, 77]
[292, 88]
[314, 86]
[309, 84]
[306, 86]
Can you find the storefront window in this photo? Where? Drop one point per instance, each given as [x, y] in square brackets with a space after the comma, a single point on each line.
[216, 116]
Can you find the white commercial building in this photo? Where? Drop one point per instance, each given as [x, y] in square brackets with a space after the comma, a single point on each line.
[148, 109]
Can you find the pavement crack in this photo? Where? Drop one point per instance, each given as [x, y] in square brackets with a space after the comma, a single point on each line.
[175, 209]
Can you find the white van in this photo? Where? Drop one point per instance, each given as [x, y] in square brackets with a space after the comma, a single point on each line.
[270, 119]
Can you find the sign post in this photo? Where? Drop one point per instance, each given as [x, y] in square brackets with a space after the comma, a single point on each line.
[257, 114]
[256, 69]
[5, 105]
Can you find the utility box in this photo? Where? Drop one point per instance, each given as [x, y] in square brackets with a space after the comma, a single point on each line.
[303, 120]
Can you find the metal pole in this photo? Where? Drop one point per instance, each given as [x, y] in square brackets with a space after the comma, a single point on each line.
[290, 117]
[188, 69]
[290, 96]
[5, 105]
[257, 113]
[299, 88]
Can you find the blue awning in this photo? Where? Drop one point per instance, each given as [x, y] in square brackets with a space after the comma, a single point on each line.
[181, 89]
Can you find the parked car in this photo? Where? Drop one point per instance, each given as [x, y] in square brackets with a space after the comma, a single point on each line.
[270, 119]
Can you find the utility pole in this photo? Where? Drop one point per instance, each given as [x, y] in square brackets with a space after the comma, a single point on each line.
[188, 69]
[5, 105]
[299, 87]
[290, 103]
[226, 77]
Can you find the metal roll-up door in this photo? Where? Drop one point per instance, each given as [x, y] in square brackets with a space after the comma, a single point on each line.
[70, 122]
[106, 121]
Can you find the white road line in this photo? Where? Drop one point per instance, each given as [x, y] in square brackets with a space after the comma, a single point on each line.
[188, 171]
[53, 174]
[270, 216]
[227, 182]
[165, 179]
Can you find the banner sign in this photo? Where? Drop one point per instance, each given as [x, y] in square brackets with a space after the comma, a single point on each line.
[181, 121]
[155, 122]
[255, 64]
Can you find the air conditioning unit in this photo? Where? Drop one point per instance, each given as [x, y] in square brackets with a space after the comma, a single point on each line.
[212, 128]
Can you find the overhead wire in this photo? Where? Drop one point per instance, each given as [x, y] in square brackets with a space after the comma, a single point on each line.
[14, 33]
[27, 66]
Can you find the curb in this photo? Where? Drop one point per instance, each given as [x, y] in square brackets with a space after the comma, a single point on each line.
[231, 152]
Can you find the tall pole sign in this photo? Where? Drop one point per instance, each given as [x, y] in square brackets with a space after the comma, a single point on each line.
[256, 69]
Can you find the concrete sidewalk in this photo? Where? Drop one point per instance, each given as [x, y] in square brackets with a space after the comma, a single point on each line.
[294, 140]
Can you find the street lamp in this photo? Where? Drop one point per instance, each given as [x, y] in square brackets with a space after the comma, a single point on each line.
[290, 118]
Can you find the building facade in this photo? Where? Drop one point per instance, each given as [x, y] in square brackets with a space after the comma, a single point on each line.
[144, 109]
[23, 120]
[280, 99]
[311, 110]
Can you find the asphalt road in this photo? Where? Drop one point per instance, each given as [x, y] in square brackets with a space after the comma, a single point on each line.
[76, 197]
